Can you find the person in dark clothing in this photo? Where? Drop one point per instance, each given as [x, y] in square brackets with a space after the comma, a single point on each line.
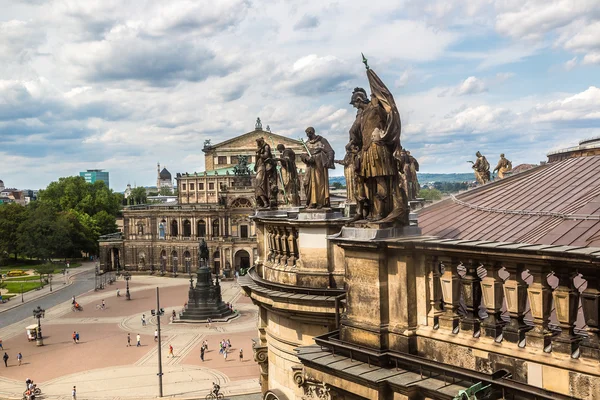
[5, 358]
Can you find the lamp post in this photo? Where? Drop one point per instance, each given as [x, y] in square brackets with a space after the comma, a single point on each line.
[22, 301]
[127, 277]
[38, 313]
[191, 279]
[50, 280]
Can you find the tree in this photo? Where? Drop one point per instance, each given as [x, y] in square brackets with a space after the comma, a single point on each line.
[430, 194]
[165, 191]
[44, 270]
[11, 216]
[338, 185]
[138, 195]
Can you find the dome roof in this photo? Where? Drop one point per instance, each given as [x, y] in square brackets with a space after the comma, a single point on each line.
[164, 174]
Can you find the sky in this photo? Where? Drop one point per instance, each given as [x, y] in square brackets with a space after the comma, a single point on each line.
[120, 86]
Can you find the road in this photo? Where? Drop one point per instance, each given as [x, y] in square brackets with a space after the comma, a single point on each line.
[82, 283]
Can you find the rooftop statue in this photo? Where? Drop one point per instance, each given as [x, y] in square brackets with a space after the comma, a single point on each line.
[207, 143]
[376, 134]
[318, 160]
[258, 125]
[349, 163]
[265, 187]
[414, 168]
[481, 168]
[202, 250]
[289, 175]
[504, 165]
[241, 169]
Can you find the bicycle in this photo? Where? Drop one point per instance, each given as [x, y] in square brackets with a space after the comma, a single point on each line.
[73, 308]
[212, 396]
[99, 307]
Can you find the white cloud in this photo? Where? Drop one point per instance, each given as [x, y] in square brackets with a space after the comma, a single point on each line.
[581, 106]
[471, 85]
[572, 63]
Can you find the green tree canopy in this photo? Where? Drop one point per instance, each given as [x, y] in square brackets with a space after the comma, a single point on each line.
[430, 194]
[138, 195]
[11, 216]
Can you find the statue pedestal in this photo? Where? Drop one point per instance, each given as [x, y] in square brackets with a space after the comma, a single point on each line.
[319, 214]
[369, 231]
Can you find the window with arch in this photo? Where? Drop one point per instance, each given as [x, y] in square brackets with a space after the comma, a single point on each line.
[201, 228]
[174, 230]
[140, 228]
[161, 229]
[215, 227]
[241, 202]
[187, 228]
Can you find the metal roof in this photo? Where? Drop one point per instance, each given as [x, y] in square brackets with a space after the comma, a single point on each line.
[553, 204]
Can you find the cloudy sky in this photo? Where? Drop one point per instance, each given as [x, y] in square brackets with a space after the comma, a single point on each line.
[120, 85]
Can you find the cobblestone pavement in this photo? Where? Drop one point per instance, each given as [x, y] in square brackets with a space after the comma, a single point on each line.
[103, 367]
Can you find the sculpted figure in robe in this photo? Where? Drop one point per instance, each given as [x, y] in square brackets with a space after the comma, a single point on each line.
[504, 165]
[349, 162]
[318, 162]
[376, 133]
[266, 178]
[289, 175]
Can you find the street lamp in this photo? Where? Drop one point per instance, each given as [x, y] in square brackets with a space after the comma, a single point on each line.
[127, 277]
[38, 313]
[50, 279]
[22, 301]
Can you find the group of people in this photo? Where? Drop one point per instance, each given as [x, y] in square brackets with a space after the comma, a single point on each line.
[5, 357]
[75, 337]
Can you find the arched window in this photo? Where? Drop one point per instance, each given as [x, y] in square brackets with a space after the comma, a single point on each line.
[201, 228]
[140, 228]
[241, 202]
[215, 227]
[188, 261]
[161, 230]
[174, 231]
[187, 228]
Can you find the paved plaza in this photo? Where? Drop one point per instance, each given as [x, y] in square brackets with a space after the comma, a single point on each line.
[102, 366]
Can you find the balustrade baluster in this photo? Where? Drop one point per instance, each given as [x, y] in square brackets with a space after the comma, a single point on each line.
[540, 303]
[450, 282]
[493, 299]
[590, 302]
[566, 302]
[292, 249]
[278, 252]
[471, 292]
[435, 289]
[285, 251]
[515, 292]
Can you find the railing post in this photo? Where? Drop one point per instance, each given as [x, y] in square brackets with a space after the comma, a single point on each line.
[435, 289]
[493, 298]
[471, 292]
[590, 302]
[566, 302]
[450, 282]
[540, 301]
[515, 292]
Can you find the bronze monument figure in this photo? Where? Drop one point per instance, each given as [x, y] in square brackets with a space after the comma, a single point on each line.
[481, 168]
[289, 175]
[318, 162]
[376, 133]
[202, 250]
[504, 165]
[349, 163]
[266, 178]
[414, 168]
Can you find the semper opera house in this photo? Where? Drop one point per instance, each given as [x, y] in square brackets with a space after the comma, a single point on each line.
[493, 293]
[213, 205]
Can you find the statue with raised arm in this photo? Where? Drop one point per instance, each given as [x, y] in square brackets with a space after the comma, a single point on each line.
[289, 175]
[376, 134]
[266, 178]
[481, 168]
[318, 162]
[504, 165]
[202, 250]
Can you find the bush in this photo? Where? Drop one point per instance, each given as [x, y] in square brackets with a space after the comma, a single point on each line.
[16, 272]
[25, 278]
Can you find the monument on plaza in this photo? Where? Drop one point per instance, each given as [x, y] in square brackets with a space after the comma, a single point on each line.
[205, 299]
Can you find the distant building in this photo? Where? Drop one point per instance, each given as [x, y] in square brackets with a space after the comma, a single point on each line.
[163, 179]
[93, 175]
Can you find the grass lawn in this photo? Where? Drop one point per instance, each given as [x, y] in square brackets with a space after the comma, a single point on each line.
[15, 287]
[24, 278]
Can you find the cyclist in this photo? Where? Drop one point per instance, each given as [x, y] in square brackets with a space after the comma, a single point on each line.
[216, 389]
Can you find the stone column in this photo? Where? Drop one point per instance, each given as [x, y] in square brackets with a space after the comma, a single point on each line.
[291, 261]
[515, 292]
[435, 289]
[566, 303]
[277, 237]
[284, 246]
[471, 292]
[493, 298]
[540, 302]
[590, 301]
[450, 282]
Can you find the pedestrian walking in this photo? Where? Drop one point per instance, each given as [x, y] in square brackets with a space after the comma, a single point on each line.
[143, 319]
[228, 344]
[220, 347]
[202, 353]
[208, 322]
[74, 337]
[241, 355]
[1, 347]
[156, 335]
[5, 358]
[19, 358]
[77, 337]
[170, 351]
[205, 345]
[174, 315]
[73, 300]
[128, 339]
[225, 354]
[139, 339]
[74, 393]
[103, 306]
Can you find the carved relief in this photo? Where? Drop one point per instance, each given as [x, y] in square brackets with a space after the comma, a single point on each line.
[316, 391]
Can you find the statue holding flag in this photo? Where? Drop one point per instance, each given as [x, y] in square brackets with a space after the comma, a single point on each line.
[376, 133]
